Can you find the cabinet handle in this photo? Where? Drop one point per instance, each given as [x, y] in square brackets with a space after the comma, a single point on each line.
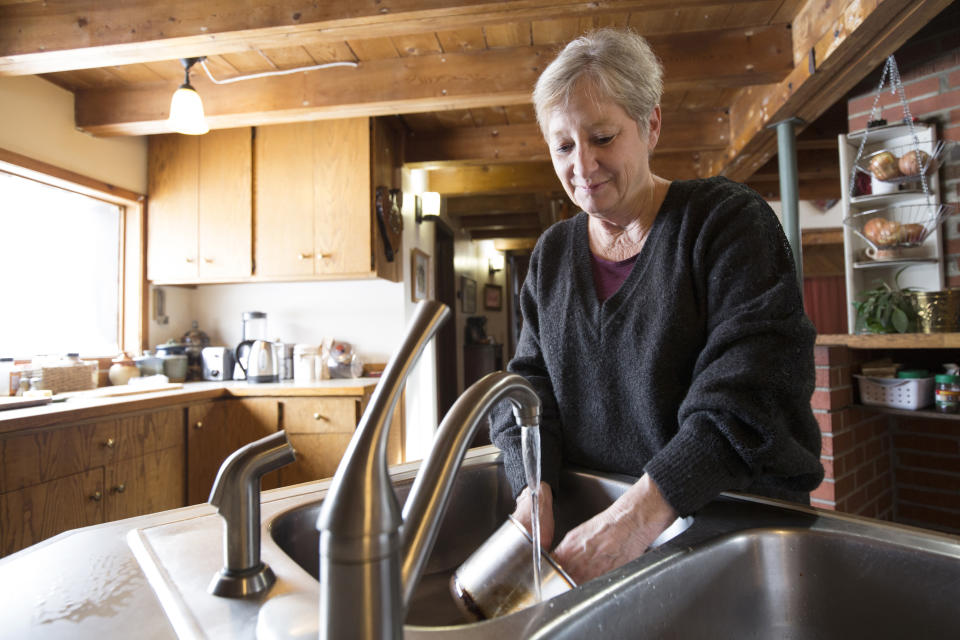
[110, 443]
[208, 260]
[97, 496]
[190, 260]
[199, 425]
[324, 256]
[304, 256]
[317, 416]
[120, 488]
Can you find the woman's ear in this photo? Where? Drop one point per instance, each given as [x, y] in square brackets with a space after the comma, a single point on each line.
[653, 129]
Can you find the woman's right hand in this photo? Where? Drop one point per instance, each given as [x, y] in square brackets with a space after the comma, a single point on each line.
[524, 515]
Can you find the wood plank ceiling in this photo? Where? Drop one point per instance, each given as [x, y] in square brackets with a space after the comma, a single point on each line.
[456, 76]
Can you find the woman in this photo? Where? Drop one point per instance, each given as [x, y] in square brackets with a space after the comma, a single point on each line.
[663, 326]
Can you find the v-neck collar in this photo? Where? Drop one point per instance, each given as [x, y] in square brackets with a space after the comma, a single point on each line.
[599, 313]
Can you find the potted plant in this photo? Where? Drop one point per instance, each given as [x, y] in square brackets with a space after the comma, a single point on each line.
[886, 309]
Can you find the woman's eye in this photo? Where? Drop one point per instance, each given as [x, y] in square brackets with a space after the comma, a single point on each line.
[602, 140]
[563, 147]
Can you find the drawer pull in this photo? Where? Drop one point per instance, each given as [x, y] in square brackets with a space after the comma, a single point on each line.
[208, 260]
[110, 442]
[304, 256]
[324, 256]
[199, 425]
[97, 496]
[120, 488]
[318, 416]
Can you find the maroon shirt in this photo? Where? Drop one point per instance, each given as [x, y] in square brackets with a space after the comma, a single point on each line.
[609, 275]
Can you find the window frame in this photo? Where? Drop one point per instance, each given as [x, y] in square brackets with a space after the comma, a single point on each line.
[133, 283]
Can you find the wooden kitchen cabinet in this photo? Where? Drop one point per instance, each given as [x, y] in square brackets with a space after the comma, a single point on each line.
[315, 200]
[217, 428]
[199, 213]
[320, 430]
[87, 473]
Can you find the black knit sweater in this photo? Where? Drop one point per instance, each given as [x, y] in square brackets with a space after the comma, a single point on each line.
[697, 371]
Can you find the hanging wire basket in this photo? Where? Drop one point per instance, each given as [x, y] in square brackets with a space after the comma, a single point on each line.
[898, 227]
[901, 163]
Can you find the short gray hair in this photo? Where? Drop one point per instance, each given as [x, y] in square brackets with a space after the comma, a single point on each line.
[621, 65]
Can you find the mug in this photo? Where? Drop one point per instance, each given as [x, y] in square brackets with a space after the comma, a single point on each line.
[884, 253]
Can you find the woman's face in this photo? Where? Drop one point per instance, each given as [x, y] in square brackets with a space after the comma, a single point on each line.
[601, 155]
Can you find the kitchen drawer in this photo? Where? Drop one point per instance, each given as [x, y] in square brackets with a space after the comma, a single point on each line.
[148, 432]
[44, 455]
[318, 456]
[320, 415]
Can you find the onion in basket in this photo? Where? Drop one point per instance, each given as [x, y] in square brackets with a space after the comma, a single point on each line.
[883, 232]
[913, 162]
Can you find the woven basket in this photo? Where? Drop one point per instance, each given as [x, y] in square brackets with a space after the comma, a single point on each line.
[939, 311]
[72, 377]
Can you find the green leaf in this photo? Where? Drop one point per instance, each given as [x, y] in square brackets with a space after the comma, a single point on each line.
[900, 321]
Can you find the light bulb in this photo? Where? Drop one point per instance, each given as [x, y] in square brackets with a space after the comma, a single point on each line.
[186, 112]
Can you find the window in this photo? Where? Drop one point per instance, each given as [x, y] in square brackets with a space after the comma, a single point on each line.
[65, 252]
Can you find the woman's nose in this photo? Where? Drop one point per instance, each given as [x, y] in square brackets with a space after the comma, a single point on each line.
[584, 161]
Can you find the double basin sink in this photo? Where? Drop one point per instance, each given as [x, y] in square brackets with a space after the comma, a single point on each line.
[746, 568]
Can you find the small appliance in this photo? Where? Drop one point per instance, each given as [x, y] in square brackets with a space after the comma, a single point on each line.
[262, 361]
[217, 363]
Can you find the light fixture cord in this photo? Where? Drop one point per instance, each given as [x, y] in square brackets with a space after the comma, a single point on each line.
[281, 72]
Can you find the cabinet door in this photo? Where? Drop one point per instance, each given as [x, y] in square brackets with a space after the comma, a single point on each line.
[146, 484]
[283, 200]
[173, 161]
[319, 430]
[225, 204]
[38, 512]
[341, 173]
[44, 455]
[218, 428]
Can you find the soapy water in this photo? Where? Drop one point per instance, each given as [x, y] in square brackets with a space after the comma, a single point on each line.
[530, 445]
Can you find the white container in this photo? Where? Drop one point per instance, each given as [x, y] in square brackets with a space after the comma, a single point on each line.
[6, 367]
[898, 393]
[307, 364]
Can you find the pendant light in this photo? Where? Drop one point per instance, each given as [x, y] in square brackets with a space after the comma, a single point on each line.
[186, 108]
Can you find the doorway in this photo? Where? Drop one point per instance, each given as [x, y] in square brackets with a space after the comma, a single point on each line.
[446, 339]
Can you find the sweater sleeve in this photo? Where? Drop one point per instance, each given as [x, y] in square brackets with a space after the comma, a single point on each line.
[746, 418]
[528, 362]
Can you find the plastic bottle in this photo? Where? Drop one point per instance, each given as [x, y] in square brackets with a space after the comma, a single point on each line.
[947, 393]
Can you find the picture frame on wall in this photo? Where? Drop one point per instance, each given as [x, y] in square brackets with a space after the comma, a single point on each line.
[468, 295]
[420, 275]
[492, 297]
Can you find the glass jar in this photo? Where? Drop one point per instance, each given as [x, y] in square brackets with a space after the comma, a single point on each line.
[947, 393]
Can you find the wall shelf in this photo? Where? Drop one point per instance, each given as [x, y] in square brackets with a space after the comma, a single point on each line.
[918, 413]
[892, 340]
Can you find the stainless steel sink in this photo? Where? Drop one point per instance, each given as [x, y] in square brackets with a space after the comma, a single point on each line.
[747, 568]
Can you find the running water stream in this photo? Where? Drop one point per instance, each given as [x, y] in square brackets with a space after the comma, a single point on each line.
[530, 444]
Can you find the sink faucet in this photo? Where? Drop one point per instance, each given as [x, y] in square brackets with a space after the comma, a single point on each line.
[236, 494]
[371, 555]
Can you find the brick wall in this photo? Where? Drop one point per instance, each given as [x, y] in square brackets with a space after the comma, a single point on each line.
[856, 445]
[892, 467]
[930, 70]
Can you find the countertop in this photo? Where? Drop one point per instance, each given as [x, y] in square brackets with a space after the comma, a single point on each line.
[892, 340]
[90, 407]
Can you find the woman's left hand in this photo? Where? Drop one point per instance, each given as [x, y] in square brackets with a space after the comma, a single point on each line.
[617, 535]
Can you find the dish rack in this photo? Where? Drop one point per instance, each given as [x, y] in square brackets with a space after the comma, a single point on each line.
[896, 393]
[902, 226]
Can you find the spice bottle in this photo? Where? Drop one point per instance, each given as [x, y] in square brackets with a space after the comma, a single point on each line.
[947, 393]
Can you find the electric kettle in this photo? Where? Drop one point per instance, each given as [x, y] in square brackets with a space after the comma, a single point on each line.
[262, 361]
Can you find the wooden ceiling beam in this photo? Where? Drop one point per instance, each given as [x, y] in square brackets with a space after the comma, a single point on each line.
[491, 204]
[531, 232]
[43, 37]
[522, 177]
[500, 221]
[844, 45]
[683, 131]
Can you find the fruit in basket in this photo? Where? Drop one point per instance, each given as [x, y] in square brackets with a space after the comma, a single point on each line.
[883, 165]
[882, 232]
[913, 162]
[911, 233]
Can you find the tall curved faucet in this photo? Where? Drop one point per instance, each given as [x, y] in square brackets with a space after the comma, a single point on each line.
[371, 555]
